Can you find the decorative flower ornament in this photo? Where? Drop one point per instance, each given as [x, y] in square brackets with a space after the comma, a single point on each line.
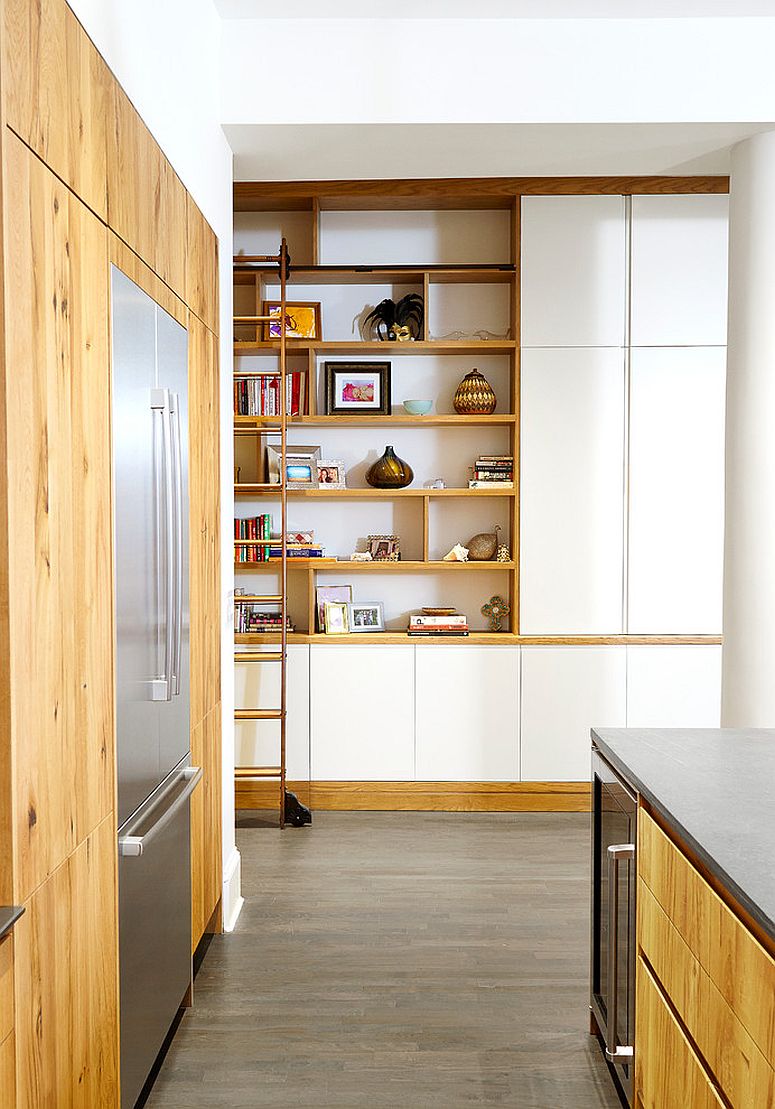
[496, 610]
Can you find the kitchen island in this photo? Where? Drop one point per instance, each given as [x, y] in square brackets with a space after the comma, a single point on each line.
[705, 897]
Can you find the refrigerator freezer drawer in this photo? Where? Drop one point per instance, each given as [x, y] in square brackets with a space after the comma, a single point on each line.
[154, 889]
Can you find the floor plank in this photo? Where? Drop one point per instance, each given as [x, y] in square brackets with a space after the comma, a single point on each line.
[398, 960]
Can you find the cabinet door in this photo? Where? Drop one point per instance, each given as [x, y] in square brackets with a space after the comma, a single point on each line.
[257, 686]
[674, 687]
[565, 692]
[467, 713]
[572, 491]
[573, 271]
[362, 712]
[679, 270]
[676, 520]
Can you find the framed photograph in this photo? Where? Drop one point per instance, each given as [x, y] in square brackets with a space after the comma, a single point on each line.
[366, 616]
[302, 320]
[385, 548]
[336, 618]
[323, 593]
[301, 470]
[357, 387]
[331, 474]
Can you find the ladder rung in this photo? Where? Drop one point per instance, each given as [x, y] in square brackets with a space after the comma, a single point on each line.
[256, 598]
[258, 714]
[258, 656]
[257, 771]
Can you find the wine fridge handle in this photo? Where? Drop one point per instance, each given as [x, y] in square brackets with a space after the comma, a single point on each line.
[617, 1053]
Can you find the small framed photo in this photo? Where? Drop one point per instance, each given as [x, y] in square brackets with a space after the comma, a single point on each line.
[366, 616]
[385, 548]
[301, 470]
[357, 387]
[331, 474]
[302, 320]
[336, 618]
[323, 593]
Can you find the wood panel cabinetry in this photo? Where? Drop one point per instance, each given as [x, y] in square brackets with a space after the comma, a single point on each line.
[59, 516]
[201, 268]
[57, 93]
[700, 959]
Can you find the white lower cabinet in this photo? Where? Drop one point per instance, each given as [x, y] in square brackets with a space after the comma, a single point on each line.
[565, 691]
[362, 712]
[674, 687]
[467, 713]
[257, 686]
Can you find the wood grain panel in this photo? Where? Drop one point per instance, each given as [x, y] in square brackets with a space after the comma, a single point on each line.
[423, 796]
[668, 1073]
[8, 1072]
[452, 192]
[734, 960]
[146, 201]
[202, 268]
[6, 987]
[206, 803]
[143, 276]
[57, 89]
[737, 1065]
[204, 494]
[59, 514]
[66, 983]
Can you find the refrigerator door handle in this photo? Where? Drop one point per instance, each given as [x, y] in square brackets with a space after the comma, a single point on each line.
[161, 688]
[617, 1053]
[178, 467]
[135, 845]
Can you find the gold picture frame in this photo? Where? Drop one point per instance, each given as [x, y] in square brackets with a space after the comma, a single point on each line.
[336, 618]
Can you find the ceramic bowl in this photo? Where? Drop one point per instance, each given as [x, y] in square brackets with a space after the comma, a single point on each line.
[418, 407]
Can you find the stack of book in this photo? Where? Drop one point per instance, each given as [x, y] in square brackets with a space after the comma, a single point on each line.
[259, 395]
[451, 624]
[298, 550]
[493, 471]
[250, 618]
[252, 527]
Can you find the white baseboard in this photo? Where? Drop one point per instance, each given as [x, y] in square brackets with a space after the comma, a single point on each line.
[232, 899]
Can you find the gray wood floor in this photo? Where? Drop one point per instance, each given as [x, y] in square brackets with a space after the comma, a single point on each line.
[387, 959]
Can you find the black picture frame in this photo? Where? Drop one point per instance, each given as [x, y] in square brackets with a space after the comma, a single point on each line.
[334, 371]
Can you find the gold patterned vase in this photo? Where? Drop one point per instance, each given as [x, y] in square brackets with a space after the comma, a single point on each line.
[390, 472]
[474, 396]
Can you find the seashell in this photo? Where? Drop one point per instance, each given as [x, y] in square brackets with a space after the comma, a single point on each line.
[459, 553]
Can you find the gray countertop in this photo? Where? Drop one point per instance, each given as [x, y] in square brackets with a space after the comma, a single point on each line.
[9, 914]
[716, 787]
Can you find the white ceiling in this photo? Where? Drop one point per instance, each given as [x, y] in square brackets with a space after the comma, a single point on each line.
[494, 9]
[337, 151]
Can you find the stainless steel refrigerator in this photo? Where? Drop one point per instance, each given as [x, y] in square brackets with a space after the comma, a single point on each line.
[155, 776]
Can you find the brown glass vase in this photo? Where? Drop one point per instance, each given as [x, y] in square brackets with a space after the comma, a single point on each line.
[474, 396]
[390, 472]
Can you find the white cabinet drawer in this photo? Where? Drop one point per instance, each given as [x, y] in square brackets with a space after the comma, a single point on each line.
[674, 687]
[362, 712]
[573, 280]
[467, 713]
[565, 692]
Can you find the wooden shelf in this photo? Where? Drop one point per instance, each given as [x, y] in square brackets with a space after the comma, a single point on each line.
[397, 419]
[404, 567]
[487, 637]
[431, 346]
[499, 274]
[258, 490]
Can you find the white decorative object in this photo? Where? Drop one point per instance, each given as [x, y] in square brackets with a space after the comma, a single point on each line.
[459, 553]
[361, 556]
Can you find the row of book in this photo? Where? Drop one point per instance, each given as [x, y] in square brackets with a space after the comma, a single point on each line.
[259, 395]
[493, 471]
[252, 527]
[250, 618]
[298, 545]
[421, 624]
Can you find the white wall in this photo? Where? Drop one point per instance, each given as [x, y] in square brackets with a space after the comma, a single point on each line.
[167, 58]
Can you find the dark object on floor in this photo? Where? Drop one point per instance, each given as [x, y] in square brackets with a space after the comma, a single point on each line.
[296, 814]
